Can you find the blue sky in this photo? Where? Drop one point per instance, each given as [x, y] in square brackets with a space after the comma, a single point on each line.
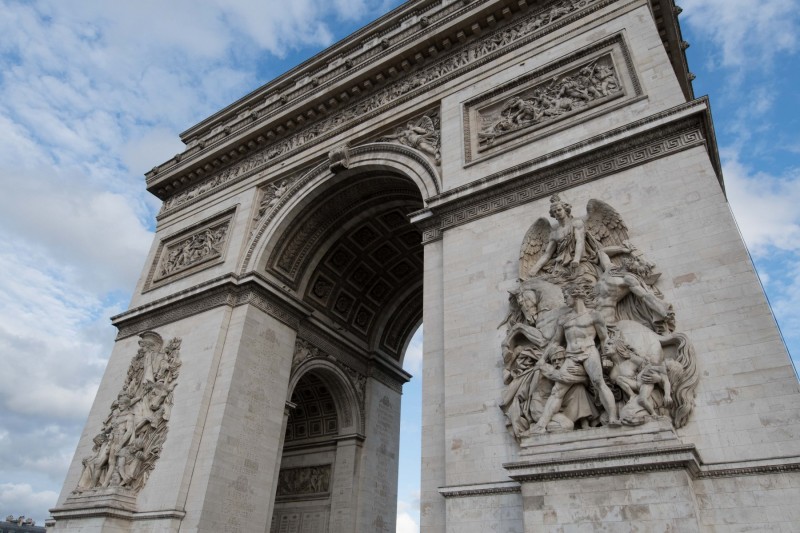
[93, 93]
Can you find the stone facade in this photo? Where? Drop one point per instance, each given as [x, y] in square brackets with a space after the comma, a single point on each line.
[397, 177]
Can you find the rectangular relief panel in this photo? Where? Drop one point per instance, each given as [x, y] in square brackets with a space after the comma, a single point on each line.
[190, 251]
[560, 95]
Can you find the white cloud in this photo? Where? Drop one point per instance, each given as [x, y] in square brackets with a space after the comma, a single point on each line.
[22, 499]
[747, 34]
[92, 94]
[765, 207]
[406, 523]
[412, 360]
[408, 515]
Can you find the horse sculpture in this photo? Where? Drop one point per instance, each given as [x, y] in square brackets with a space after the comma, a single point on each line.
[656, 373]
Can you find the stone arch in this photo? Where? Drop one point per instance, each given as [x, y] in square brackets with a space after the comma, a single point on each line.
[304, 188]
[349, 406]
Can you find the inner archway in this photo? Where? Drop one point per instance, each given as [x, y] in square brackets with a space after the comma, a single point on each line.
[352, 255]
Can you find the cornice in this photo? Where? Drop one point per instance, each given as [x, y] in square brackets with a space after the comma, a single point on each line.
[229, 290]
[598, 464]
[300, 132]
[634, 144]
[480, 489]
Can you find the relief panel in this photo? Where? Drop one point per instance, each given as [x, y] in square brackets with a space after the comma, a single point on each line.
[573, 89]
[190, 251]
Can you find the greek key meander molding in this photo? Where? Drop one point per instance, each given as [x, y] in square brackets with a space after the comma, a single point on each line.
[606, 49]
[584, 169]
[198, 300]
[465, 58]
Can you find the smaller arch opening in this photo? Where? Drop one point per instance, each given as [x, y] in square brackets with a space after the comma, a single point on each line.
[322, 417]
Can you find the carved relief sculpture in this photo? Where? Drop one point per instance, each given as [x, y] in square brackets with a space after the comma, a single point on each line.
[198, 248]
[421, 134]
[449, 66]
[304, 481]
[130, 441]
[580, 88]
[590, 340]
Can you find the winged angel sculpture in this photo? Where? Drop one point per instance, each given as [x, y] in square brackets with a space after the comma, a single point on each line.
[422, 134]
[590, 339]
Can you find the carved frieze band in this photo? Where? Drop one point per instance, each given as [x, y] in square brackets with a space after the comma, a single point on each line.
[592, 79]
[463, 59]
[191, 250]
[587, 168]
[198, 301]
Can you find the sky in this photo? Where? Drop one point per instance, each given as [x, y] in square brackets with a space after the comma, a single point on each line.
[93, 93]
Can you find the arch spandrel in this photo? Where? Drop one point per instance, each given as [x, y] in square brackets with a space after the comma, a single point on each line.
[379, 157]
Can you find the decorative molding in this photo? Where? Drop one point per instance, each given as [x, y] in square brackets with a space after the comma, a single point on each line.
[676, 457]
[480, 489]
[709, 472]
[579, 87]
[463, 59]
[598, 164]
[294, 248]
[299, 183]
[227, 290]
[190, 251]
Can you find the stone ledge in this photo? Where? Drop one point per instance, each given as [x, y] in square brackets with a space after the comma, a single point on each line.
[480, 489]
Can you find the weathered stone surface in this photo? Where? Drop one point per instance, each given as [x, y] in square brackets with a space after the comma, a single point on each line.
[294, 259]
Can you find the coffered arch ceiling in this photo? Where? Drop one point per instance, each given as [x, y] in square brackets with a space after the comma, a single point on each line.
[355, 258]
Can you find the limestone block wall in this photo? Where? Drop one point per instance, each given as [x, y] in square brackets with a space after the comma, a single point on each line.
[747, 399]
[235, 474]
[655, 501]
[201, 351]
[638, 36]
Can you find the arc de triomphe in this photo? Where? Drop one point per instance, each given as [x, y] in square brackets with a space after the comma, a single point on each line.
[537, 182]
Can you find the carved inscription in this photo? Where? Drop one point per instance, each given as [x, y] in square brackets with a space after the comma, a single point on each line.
[130, 441]
[590, 340]
[304, 481]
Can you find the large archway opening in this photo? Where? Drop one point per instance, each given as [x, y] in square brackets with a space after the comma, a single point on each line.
[350, 253]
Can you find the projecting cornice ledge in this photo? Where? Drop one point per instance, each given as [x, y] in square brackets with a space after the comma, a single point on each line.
[674, 130]
[229, 290]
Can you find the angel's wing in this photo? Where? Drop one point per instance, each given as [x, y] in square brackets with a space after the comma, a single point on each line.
[425, 122]
[533, 245]
[605, 224]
